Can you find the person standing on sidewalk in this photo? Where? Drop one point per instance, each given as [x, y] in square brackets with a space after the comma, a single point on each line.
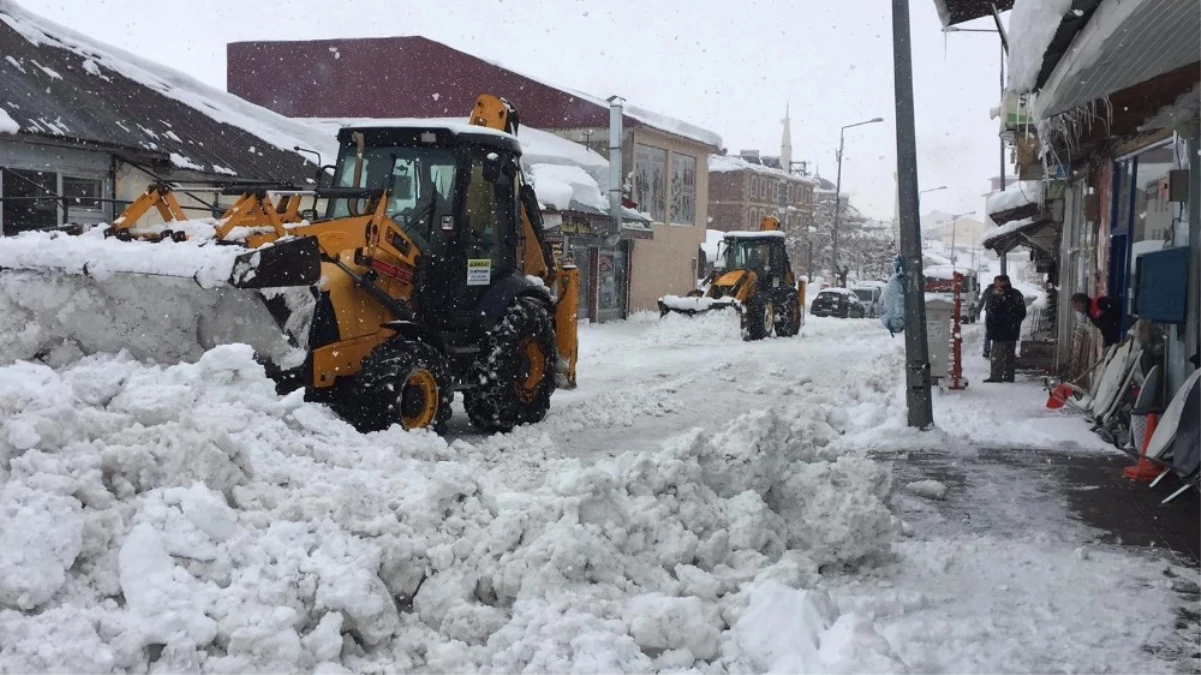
[1006, 311]
[980, 308]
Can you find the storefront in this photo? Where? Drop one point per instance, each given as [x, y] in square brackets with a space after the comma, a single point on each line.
[603, 262]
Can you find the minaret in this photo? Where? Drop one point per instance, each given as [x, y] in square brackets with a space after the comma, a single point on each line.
[786, 144]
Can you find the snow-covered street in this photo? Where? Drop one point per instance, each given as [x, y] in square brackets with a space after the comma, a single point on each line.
[699, 502]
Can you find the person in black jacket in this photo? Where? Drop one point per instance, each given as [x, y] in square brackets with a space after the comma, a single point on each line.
[1104, 313]
[1006, 310]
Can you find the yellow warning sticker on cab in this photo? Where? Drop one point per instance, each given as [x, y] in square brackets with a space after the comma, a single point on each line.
[479, 272]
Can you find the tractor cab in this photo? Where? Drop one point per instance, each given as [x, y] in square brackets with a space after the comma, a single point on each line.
[760, 252]
[453, 189]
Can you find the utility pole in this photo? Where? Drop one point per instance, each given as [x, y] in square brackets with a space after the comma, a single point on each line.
[917, 349]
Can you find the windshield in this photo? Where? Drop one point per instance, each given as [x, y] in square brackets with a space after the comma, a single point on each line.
[748, 254]
[420, 180]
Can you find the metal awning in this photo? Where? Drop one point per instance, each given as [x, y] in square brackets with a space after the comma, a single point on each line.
[1126, 42]
[953, 12]
[1037, 233]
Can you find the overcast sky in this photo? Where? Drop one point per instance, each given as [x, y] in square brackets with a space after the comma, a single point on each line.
[727, 66]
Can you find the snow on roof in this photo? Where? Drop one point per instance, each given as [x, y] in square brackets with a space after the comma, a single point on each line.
[946, 272]
[834, 290]
[86, 71]
[457, 126]
[713, 239]
[1032, 26]
[7, 124]
[724, 163]
[559, 185]
[1016, 195]
[755, 234]
[1004, 230]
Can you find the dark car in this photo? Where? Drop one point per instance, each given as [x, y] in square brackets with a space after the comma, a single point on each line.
[838, 302]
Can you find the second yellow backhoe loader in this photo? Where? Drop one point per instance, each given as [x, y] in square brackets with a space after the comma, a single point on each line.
[427, 274]
[753, 276]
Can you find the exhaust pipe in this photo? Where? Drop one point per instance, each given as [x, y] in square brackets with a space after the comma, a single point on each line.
[616, 177]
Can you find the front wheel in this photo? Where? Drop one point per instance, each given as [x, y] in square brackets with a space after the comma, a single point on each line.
[515, 376]
[402, 382]
[788, 319]
[760, 317]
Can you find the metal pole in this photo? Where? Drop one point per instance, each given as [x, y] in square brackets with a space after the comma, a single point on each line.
[917, 350]
[838, 207]
[1004, 256]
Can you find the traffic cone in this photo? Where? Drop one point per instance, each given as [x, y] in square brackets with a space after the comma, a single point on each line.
[1146, 470]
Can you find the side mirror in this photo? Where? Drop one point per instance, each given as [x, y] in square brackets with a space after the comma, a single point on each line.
[309, 215]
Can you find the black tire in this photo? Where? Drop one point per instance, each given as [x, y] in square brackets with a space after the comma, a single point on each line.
[510, 389]
[418, 371]
[788, 318]
[760, 316]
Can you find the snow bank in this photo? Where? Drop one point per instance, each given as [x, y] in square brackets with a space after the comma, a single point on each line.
[1032, 26]
[190, 519]
[1016, 195]
[93, 254]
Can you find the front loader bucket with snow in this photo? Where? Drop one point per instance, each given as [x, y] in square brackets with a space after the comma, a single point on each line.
[161, 301]
[694, 305]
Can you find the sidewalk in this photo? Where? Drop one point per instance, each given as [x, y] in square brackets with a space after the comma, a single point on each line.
[1039, 556]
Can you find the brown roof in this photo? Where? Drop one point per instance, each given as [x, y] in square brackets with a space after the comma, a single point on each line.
[412, 77]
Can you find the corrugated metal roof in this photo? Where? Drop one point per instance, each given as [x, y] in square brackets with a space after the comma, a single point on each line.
[1125, 43]
[58, 95]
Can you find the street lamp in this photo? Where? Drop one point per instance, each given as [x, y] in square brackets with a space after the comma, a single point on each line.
[838, 277]
[1004, 50]
[954, 222]
[940, 187]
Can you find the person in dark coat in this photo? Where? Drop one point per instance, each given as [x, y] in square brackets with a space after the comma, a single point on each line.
[1006, 310]
[1104, 313]
[980, 308]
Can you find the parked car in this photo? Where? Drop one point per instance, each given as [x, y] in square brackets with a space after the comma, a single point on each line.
[870, 297]
[939, 280]
[839, 302]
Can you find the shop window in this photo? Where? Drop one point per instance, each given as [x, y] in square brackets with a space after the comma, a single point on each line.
[1152, 210]
[683, 190]
[81, 196]
[29, 200]
[650, 181]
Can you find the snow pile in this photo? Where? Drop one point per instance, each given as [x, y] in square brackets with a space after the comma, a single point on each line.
[1032, 26]
[559, 185]
[95, 255]
[930, 489]
[189, 519]
[1016, 195]
[715, 328]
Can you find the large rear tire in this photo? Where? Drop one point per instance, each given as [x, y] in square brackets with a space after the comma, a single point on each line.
[402, 382]
[515, 376]
[788, 318]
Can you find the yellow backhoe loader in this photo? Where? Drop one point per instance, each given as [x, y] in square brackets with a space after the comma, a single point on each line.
[428, 274]
[753, 276]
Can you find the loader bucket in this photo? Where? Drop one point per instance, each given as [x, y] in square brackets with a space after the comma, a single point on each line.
[691, 306]
[63, 296]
